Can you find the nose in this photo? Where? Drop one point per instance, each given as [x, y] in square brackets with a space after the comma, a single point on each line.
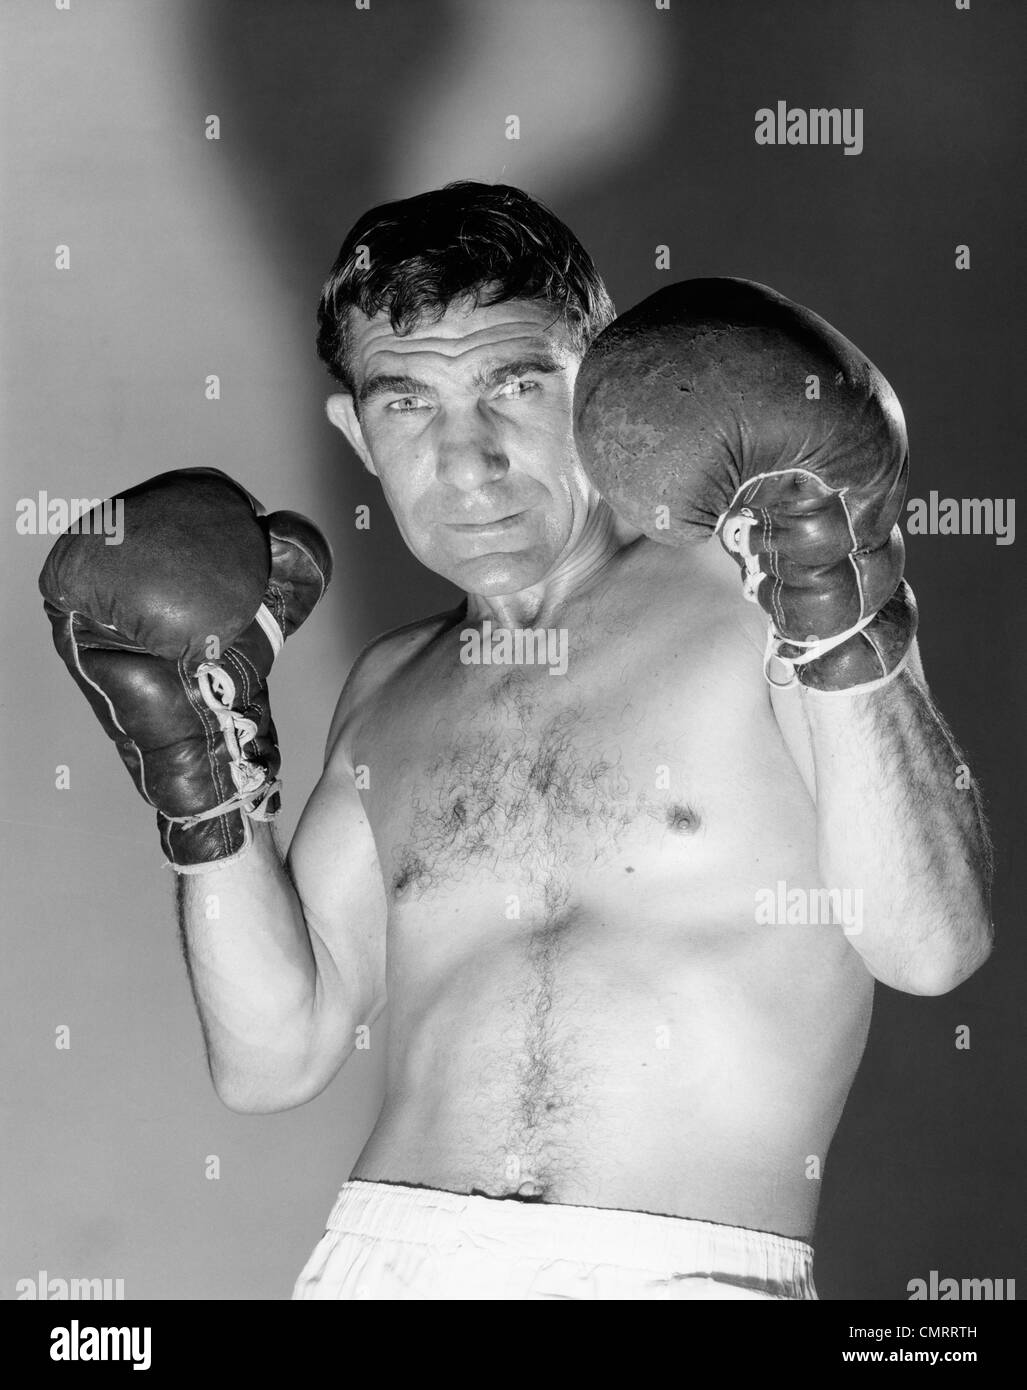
[470, 452]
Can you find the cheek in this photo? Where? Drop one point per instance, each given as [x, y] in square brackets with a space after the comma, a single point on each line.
[401, 472]
[550, 452]
[403, 495]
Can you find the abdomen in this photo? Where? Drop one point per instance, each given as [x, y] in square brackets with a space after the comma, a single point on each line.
[615, 1060]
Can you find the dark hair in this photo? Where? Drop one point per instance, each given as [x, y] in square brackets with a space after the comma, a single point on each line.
[489, 242]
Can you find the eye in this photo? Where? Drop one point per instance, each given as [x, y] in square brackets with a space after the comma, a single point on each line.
[405, 404]
[517, 386]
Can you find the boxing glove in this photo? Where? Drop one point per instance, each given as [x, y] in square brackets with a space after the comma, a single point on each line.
[718, 405]
[171, 635]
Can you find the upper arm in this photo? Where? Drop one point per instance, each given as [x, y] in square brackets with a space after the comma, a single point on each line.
[333, 859]
[334, 865]
[333, 862]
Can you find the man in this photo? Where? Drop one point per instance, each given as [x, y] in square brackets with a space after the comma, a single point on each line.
[607, 1076]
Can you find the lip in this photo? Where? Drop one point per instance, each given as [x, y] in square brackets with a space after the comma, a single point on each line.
[500, 523]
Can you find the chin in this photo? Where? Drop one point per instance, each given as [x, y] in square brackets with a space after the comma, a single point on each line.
[489, 575]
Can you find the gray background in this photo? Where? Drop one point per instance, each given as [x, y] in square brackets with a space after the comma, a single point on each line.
[190, 257]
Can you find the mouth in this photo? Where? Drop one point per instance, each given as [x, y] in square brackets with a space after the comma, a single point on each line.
[499, 523]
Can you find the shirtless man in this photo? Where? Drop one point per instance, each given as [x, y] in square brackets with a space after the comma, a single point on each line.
[607, 1077]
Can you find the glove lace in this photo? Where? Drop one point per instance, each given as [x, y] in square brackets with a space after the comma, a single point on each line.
[253, 787]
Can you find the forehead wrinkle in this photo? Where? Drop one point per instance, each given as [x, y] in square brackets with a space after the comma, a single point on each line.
[380, 337]
[460, 328]
[385, 354]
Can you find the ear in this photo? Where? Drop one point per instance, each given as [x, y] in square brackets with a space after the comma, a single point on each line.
[342, 412]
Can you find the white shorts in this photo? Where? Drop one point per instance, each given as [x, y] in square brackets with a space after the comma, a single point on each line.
[387, 1241]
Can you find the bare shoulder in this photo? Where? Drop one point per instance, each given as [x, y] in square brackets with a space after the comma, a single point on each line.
[376, 666]
[700, 582]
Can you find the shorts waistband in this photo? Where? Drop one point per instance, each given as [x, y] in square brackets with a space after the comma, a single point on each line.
[593, 1235]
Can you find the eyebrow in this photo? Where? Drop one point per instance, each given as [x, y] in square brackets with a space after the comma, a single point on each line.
[490, 373]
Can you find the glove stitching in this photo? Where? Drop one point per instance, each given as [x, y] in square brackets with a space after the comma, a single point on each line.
[878, 653]
[232, 657]
[842, 496]
[220, 822]
[247, 670]
[209, 727]
[858, 576]
[76, 650]
[775, 568]
[249, 678]
[85, 676]
[853, 551]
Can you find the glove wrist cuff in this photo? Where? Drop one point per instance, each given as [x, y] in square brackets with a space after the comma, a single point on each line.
[203, 866]
[809, 651]
[862, 658]
[866, 688]
[255, 804]
[222, 835]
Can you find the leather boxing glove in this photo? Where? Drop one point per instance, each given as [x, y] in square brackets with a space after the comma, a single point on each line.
[719, 405]
[171, 635]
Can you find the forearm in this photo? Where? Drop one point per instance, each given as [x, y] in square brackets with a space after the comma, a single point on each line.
[268, 994]
[900, 824]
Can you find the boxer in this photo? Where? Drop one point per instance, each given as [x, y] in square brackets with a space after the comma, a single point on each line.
[613, 1071]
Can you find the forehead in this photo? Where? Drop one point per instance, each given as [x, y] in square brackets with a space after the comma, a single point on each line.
[460, 339]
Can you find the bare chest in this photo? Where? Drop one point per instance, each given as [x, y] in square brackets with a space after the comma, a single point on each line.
[512, 781]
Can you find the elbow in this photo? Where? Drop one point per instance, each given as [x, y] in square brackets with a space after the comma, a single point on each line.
[249, 1102]
[942, 968]
[256, 1091]
[257, 1100]
[265, 1079]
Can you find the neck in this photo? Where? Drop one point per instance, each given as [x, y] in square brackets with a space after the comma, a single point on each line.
[585, 556]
